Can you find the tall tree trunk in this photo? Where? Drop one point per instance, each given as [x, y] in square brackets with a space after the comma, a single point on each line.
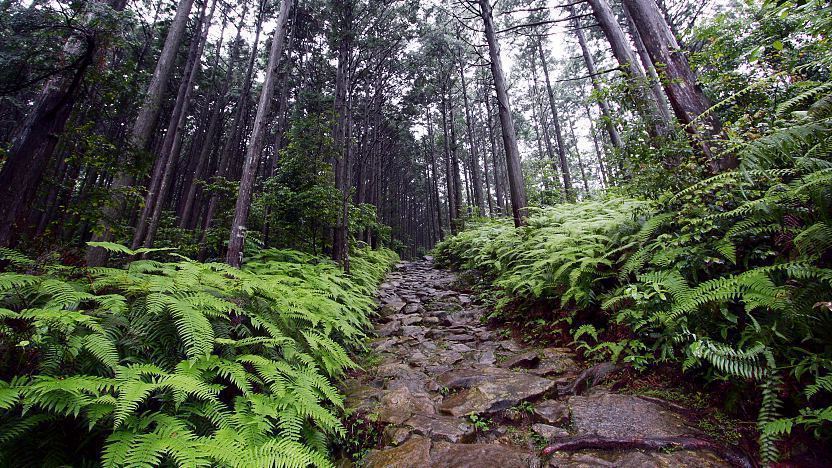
[343, 133]
[234, 257]
[609, 125]
[213, 124]
[498, 181]
[34, 142]
[435, 183]
[686, 97]
[578, 154]
[537, 108]
[236, 130]
[282, 113]
[605, 179]
[484, 153]
[178, 134]
[564, 164]
[646, 104]
[515, 174]
[449, 178]
[142, 129]
[164, 162]
[539, 139]
[644, 57]
[475, 167]
[455, 168]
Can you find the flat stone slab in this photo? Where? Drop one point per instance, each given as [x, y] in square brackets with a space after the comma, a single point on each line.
[420, 452]
[491, 391]
[391, 307]
[549, 432]
[479, 456]
[362, 397]
[438, 427]
[636, 459]
[526, 360]
[411, 320]
[470, 400]
[555, 361]
[616, 415]
[414, 453]
[464, 378]
[551, 412]
[389, 328]
[397, 406]
[412, 330]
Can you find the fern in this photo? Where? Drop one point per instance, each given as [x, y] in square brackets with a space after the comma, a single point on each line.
[146, 356]
[730, 274]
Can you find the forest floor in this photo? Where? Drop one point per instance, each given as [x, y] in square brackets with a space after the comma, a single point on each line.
[441, 388]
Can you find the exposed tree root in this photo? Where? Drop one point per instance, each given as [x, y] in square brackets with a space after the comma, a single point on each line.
[589, 377]
[574, 444]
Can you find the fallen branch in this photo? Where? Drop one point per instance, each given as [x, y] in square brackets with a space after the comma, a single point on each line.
[574, 444]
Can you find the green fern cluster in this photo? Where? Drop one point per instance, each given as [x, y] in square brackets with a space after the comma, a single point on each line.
[180, 363]
[563, 253]
[732, 276]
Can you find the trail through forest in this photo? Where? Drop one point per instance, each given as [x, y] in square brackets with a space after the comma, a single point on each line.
[449, 391]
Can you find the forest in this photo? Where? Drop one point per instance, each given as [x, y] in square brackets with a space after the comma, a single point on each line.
[199, 200]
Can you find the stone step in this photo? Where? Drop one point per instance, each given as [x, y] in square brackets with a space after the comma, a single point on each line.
[448, 392]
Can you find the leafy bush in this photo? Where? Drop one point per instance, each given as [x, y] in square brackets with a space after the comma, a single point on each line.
[183, 363]
[731, 275]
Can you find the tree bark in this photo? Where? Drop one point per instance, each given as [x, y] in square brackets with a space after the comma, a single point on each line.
[605, 180]
[142, 129]
[236, 129]
[580, 160]
[498, 182]
[653, 78]
[689, 102]
[435, 182]
[615, 138]
[564, 163]
[343, 134]
[643, 99]
[178, 132]
[449, 178]
[484, 153]
[455, 169]
[537, 114]
[475, 167]
[164, 163]
[213, 124]
[234, 256]
[515, 174]
[34, 142]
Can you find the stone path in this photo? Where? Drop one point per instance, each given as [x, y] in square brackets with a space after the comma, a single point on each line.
[452, 393]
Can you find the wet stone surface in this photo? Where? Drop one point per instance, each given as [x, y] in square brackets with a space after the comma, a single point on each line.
[450, 392]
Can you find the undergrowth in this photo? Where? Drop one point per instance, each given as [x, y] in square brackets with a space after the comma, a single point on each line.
[178, 363]
[730, 278]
